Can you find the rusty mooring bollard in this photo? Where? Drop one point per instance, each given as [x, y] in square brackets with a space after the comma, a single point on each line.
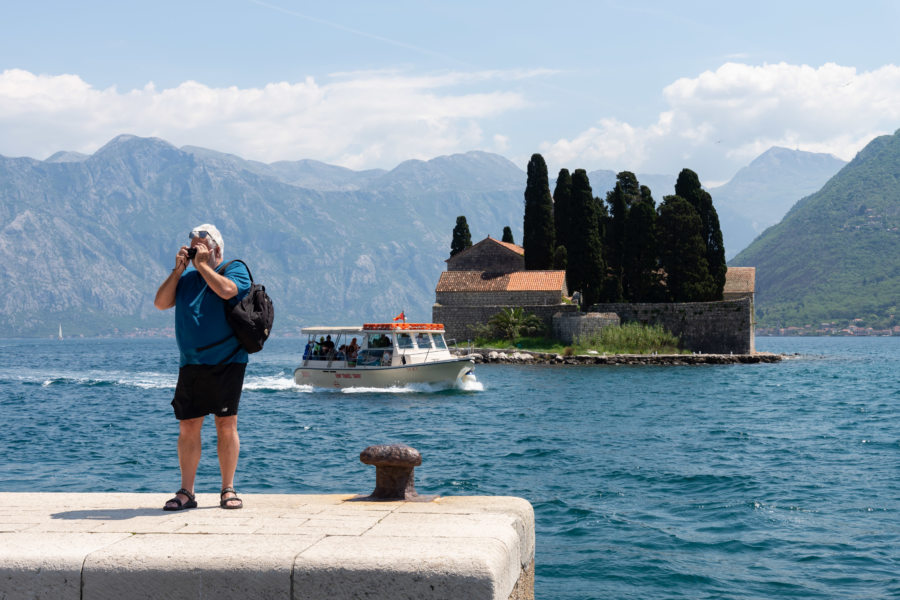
[394, 478]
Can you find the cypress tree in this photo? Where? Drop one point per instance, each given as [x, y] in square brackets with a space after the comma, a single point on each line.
[461, 237]
[688, 187]
[641, 278]
[562, 208]
[620, 200]
[682, 251]
[538, 234]
[586, 266]
[560, 259]
[507, 235]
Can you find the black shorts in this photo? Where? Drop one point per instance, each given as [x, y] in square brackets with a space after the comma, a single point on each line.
[208, 389]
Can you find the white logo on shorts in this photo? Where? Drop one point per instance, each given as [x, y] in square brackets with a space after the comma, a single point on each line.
[225, 409]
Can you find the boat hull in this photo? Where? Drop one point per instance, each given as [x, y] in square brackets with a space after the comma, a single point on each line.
[436, 372]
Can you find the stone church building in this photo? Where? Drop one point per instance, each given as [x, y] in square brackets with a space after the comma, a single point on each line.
[489, 276]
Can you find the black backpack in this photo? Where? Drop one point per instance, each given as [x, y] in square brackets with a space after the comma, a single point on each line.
[250, 319]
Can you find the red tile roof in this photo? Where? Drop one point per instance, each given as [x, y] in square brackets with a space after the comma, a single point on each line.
[512, 247]
[518, 281]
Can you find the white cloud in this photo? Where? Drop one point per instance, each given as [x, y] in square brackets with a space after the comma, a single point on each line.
[715, 122]
[355, 119]
[722, 119]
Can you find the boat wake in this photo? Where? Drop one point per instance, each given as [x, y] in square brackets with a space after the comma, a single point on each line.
[470, 384]
[147, 380]
[409, 388]
[271, 383]
[466, 384]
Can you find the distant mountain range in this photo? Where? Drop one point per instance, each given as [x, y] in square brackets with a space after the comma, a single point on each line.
[761, 193]
[836, 254]
[86, 240]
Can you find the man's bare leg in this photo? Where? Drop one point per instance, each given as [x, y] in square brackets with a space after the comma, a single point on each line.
[189, 449]
[228, 445]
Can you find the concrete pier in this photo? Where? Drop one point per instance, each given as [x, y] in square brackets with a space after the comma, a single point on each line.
[124, 546]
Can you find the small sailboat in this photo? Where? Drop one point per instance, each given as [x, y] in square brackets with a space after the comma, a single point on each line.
[59, 335]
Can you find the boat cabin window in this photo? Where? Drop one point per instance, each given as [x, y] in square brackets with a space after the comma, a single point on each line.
[423, 340]
[379, 340]
[374, 357]
[439, 341]
[322, 347]
[404, 340]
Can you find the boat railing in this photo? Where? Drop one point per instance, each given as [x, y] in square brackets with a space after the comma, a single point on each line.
[374, 357]
[329, 356]
[469, 348]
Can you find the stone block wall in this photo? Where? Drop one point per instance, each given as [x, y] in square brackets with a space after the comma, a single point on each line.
[708, 327]
[523, 298]
[487, 260]
[459, 320]
[567, 327]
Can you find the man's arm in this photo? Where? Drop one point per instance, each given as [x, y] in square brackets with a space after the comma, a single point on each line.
[221, 285]
[165, 295]
[224, 287]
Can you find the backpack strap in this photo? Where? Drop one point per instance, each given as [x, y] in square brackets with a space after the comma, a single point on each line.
[221, 271]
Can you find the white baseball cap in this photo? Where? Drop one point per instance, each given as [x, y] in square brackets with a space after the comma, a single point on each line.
[210, 230]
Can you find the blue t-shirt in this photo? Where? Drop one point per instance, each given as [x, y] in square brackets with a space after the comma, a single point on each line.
[200, 318]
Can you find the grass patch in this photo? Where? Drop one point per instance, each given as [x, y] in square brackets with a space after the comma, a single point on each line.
[535, 344]
[630, 338]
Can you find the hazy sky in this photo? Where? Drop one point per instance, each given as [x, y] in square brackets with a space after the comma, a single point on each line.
[646, 86]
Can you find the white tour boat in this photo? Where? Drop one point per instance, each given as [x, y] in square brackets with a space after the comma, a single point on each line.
[379, 355]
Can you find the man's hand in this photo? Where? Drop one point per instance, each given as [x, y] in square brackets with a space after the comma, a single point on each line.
[202, 256]
[181, 259]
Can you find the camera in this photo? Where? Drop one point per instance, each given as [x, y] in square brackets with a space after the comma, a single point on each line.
[192, 252]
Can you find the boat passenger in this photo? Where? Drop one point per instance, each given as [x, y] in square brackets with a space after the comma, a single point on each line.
[352, 349]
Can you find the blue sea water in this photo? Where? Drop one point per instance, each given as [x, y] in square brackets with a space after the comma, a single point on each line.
[741, 481]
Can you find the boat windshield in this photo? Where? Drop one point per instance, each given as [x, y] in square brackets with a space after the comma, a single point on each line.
[404, 340]
[423, 340]
[439, 342]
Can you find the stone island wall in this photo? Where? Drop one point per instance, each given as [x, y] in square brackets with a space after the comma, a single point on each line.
[709, 327]
[460, 321]
[568, 327]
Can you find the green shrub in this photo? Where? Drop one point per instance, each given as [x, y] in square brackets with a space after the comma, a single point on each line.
[510, 324]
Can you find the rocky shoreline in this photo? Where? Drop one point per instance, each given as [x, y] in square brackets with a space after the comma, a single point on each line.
[496, 356]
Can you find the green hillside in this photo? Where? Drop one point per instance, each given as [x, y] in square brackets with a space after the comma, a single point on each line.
[836, 255]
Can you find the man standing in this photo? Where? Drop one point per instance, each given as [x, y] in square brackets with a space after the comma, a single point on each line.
[212, 364]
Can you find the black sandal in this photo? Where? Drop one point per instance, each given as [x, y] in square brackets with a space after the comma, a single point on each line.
[191, 503]
[223, 501]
